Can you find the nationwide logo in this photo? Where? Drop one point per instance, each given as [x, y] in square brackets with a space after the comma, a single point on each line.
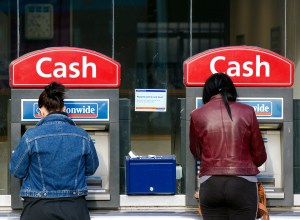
[74, 110]
[261, 108]
[77, 109]
[82, 110]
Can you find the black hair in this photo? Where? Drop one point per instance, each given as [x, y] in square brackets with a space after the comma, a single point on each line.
[220, 83]
[52, 98]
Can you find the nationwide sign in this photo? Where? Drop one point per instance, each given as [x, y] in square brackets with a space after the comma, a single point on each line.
[265, 108]
[246, 66]
[77, 109]
[73, 67]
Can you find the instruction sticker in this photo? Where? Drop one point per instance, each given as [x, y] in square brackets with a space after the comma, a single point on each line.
[151, 100]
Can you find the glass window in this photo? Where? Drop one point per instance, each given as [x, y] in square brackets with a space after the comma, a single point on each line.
[91, 25]
[151, 45]
[149, 38]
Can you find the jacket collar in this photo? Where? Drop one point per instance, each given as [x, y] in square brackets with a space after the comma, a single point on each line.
[58, 112]
[54, 117]
[216, 97]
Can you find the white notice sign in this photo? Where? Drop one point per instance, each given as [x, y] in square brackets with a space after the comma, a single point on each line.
[151, 100]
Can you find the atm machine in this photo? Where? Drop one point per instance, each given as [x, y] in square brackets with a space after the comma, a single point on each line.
[276, 125]
[263, 80]
[92, 101]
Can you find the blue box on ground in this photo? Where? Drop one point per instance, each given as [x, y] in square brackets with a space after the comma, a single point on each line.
[151, 175]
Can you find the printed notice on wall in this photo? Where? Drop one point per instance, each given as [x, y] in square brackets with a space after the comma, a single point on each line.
[151, 100]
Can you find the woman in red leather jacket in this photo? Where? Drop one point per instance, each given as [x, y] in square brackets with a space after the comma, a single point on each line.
[225, 137]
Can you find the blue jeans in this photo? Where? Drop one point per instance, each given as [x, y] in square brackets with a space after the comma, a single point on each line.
[228, 198]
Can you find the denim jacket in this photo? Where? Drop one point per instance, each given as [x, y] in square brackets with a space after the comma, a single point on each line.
[54, 158]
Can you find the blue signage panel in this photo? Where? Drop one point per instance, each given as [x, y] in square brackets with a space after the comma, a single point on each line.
[265, 108]
[77, 109]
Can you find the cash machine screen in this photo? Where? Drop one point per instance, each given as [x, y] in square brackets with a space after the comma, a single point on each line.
[271, 171]
[101, 177]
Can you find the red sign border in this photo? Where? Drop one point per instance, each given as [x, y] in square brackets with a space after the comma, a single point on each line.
[53, 49]
[247, 48]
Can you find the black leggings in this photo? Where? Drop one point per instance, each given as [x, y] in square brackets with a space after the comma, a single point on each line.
[228, 198]
[55, 209]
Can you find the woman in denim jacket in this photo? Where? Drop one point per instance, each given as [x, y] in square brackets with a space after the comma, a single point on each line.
[52, 160]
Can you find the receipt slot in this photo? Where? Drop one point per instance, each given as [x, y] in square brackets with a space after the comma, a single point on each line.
[263, 80]
[92, 101]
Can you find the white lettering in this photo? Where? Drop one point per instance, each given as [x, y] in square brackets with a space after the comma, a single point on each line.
[259, 64]
[247, 67]
[74, 70]
[237, 69]
[261, 108]
[213, 62]
[39, 69]
[61, 70]
[85, 65]
[82, 110]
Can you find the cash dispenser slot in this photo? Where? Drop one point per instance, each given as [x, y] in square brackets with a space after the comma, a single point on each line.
[271, 171]
[98, 184]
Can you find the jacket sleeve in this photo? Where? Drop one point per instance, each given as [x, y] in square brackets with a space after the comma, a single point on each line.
[258, 150]
[19, 162]
[92, 161]
[195, 147]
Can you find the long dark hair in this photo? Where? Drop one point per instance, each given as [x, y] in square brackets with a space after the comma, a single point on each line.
[220, 83]
[52, 98]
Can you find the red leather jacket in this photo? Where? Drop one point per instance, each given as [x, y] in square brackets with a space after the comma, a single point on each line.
[225, 146]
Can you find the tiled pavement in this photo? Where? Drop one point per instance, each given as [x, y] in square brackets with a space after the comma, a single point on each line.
[190, 214]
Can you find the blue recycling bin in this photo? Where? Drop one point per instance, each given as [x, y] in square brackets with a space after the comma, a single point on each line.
[151, 175]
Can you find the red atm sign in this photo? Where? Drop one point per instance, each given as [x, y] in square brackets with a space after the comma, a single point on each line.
[247, 66]
[73, 67]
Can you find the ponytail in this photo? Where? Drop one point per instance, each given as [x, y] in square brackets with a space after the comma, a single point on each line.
[223, 92]
[220, 83]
